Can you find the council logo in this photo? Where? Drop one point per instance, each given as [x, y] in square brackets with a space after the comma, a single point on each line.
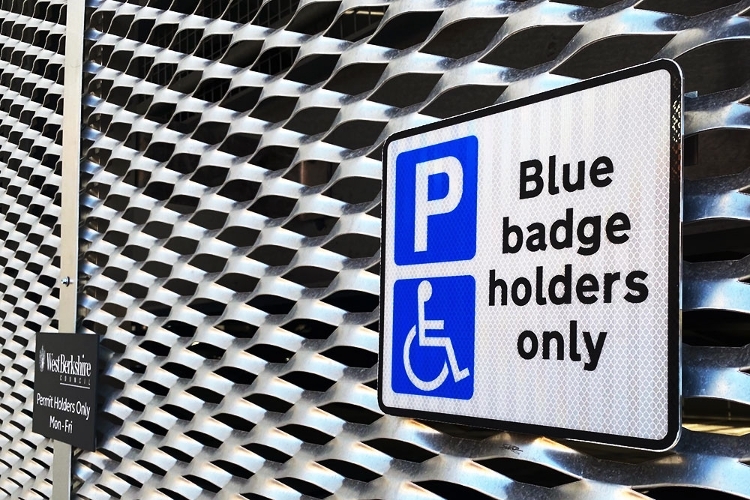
[42, 355]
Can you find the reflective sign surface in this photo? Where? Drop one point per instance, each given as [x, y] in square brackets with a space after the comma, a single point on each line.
[531, 264]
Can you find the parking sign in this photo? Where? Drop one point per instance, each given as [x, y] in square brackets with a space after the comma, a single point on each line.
[436, 193]
[530, 275]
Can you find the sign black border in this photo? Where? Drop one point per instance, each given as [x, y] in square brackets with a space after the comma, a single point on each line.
[674, 266]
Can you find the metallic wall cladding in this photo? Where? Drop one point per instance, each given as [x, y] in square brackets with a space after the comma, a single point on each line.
[31, 85]
[230, 240]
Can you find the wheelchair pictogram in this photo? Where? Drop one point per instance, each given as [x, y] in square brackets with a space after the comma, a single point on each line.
[433, 349]
[424, 292]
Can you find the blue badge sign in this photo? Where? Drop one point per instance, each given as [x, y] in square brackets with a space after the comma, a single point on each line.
[531, 264]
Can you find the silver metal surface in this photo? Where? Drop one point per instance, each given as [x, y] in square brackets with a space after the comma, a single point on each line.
[230, 225]
[31, 88]
[232, 221]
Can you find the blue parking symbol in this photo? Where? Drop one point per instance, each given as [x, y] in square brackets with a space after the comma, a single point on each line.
[436, 203]
[433, 337]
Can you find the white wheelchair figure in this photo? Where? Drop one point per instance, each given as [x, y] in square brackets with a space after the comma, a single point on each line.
[424, 292]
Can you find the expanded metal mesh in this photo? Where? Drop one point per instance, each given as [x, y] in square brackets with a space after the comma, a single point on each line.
[232, 181]
[231, 202]
[31, 78]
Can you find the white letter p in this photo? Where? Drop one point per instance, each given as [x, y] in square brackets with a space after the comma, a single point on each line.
[424, 207]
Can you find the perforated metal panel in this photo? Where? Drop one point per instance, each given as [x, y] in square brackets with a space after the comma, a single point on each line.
[231, 227]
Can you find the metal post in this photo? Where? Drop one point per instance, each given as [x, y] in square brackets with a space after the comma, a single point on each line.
[67, 311]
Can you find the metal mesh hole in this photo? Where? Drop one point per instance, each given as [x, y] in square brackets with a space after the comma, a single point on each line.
[611, 54]
[531, 47]
[405, 30]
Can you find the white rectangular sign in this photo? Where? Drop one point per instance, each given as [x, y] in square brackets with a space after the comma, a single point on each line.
[531, 264]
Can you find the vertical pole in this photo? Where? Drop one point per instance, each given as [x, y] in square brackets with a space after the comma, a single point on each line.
[68, 308]
[61, 470]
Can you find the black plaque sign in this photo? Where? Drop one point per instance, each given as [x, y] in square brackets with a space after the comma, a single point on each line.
[65, 388]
